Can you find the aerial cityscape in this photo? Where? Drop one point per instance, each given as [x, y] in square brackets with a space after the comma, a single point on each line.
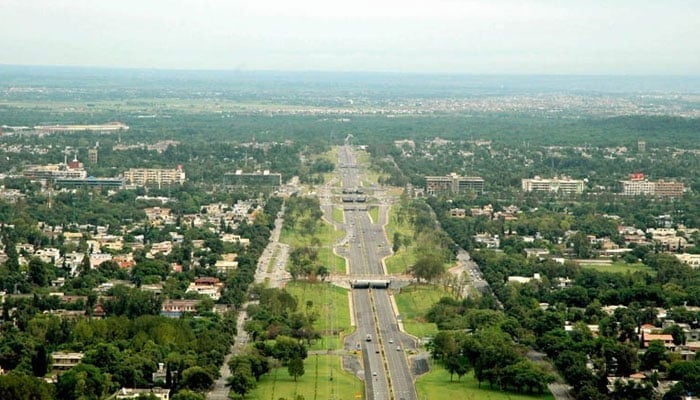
[350, 202]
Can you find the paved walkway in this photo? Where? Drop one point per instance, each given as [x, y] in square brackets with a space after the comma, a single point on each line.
[277, 277]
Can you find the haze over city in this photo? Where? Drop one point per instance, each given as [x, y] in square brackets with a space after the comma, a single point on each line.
[443, 36]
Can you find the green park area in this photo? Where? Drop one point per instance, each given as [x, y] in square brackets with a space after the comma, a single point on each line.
[321, 238]
[436, 385]
[338, 215]
[413, 302]
[330, 304]
[620, 267]
[324, 378]
[404, 257]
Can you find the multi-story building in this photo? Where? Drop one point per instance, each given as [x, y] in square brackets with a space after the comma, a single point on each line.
[54, 171]
[92, 155]
[453, 184]
[669, 188]
[63, 361]
[154, 176]
[554, 185]
[637, 185]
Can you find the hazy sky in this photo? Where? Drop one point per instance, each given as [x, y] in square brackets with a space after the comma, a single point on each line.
[453, 36]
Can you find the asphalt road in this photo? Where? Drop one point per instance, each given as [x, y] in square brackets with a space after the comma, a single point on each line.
[387, 373]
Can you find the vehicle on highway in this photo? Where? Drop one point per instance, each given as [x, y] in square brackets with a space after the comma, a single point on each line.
[398, 348]
[368, 338]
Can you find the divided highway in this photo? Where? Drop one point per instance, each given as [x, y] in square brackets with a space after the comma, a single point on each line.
[383, 346]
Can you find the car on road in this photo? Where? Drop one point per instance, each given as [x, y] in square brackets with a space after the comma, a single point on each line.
[398, 348]
[391, 341]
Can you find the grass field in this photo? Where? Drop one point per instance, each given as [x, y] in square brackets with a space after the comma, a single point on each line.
[327, 236]
[436, 385]
[329, 302]
[414, 302]
[400, 261]
[338, 215]
[620, 267]
[403, 258]
[316, 382]
[374, 214]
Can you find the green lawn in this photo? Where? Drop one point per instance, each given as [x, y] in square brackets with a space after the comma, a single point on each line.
[374, 214]
[316, 382]
[327, 236]
[414, 302]
[327, 301]
[436, 385]
[620, 267]
[402, 259]
[338, 215]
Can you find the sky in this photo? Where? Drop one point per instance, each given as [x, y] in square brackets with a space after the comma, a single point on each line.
[582, 37]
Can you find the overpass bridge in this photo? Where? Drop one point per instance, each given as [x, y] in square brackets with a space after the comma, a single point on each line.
[362, 281]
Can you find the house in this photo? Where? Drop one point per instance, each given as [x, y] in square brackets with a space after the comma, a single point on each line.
[489, 241]
[175, 308]
[524, 279]
[133, 393]
[161, 247]
[535, 252]
[98, 258]
[207, 286]
[667, 340]
[691, 259]
[124, 260]
[457, 213]
[49, 255]
[223, 266]
[63, 361]
[231, 238]
[157, 216]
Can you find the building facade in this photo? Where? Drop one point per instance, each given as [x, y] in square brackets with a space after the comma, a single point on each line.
[637, 185]
[154, 176]
[453, 184]
[554, 185]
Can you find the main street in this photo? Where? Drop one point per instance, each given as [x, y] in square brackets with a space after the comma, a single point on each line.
[386, 370]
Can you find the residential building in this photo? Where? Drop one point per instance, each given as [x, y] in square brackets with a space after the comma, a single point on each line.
[175, 308]
[63, 361]
[691, 259]
[458, 213]
[453, 184]
[133, 393]
[154, 176]
[554, 185]
[207, 286]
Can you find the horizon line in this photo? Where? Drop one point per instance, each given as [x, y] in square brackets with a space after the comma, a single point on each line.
[324, 71]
